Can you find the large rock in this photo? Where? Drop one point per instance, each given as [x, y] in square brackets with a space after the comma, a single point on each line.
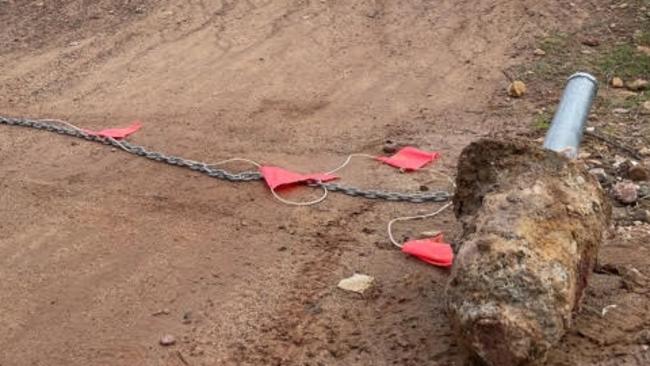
[532, 224]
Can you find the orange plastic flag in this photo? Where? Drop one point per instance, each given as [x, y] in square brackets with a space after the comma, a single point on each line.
[410, 158]
[276, 177]
[117, 133]
[432, 250]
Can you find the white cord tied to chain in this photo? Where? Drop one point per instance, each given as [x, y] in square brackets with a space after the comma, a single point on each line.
[273, 192]
[419, 217]
[408, 218]
[403, 218]
[70, 125]
[116, 142]
[347, 161]
[222, 162]
[235, 159]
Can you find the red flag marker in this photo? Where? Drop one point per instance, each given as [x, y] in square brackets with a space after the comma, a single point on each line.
[117, 133]
[433, 251]
[410, 158]
[276, 177]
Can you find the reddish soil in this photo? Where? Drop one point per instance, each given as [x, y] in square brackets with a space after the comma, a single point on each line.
[103, 253]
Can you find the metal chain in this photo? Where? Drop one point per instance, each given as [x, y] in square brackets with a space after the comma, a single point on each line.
[245, 176]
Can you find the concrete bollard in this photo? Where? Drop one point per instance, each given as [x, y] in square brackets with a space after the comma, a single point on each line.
[532, 224]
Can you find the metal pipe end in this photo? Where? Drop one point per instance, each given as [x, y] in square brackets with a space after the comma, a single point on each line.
[585, 75]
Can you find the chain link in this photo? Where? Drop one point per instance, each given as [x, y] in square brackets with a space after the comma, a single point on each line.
[245, 176]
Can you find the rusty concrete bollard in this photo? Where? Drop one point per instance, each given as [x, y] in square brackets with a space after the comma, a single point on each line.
[532, 223]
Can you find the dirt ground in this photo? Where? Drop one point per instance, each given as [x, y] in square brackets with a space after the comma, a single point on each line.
[102, 253]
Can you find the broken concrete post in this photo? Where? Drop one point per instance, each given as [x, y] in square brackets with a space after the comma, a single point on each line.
[532, 224]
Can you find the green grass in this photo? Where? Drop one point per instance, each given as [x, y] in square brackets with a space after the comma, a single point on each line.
[643, 38]
[563, 58]
[555, 44]
[629, 102]
[542, 121]
[625, 61]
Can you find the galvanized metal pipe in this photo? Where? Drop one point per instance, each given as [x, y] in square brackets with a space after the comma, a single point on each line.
[569, 121]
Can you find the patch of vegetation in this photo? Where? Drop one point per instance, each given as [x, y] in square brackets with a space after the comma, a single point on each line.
[555, 44]
[563, 58]
[643, 38]
[624, 61]
[542, 121]
[627, 102]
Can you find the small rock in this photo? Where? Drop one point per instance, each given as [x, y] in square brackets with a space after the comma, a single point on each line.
[638, 173]
[644, 190]
[620, 111]
[626, 192]
[161, 312]
[618, 161]
[600, 174]
[594, 162]
[167, 340]
[645, 151]
[390, 147]
[583, 155]
[430, 233]
[591, 42]
[645, 108]
[637, 85]
[633, 278]
[517, 89]
[623, 168]
[643, 49]
[358, 283]
[617, 82]
[539, 52]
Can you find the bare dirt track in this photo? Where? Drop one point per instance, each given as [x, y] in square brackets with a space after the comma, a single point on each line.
[95, 243]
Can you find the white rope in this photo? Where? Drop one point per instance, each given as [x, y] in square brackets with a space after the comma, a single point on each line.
[275, 194]
[419, 217]
[347, 161]
[408, 218]
[70, 125]
[252, 162]
[294, 203]
[235, 159]
[404, 218]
